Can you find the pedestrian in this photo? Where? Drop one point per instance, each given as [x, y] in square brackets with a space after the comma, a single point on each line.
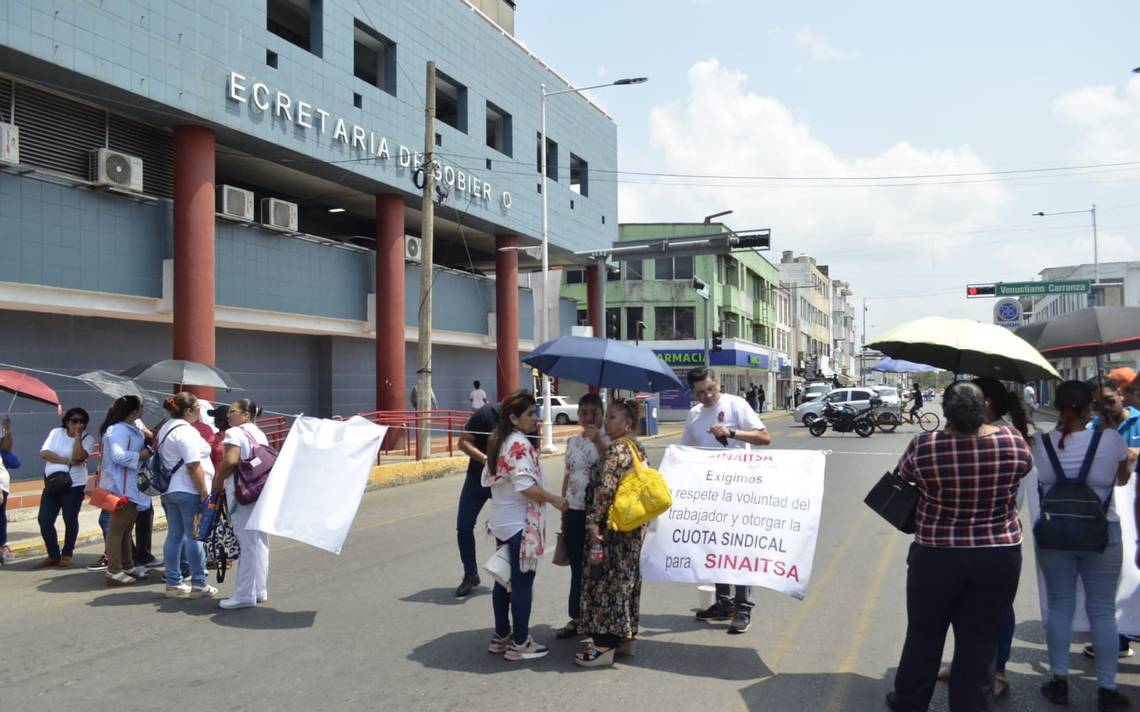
[65, 453]
[220, 416]
[583, 463]
[518, 495]
[1030, 396]
[144, 523]
[416, 402]
[6, 555]
[611, 587]
[1061, 453]
[796, 397]
[186, 455]
[1132, 393]
[478, 397]
[752, 395]
[252, 585]
[125, 451]
[963, 567]
[721, 420]
[760, 398]
[473, 495]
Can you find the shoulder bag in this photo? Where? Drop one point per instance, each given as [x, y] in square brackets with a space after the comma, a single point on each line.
[251, 474]
[641, 497]
[895, 500]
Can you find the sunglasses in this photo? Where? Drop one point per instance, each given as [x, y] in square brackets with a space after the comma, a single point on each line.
[77, 420]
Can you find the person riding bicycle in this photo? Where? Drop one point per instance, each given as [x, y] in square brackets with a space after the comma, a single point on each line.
[914, 409]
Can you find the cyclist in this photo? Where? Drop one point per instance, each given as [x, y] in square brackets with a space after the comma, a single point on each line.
[917, 407]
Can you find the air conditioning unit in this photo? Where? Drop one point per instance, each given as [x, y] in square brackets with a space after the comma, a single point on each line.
[9, 144]
[116, 170]
[413, 248]
[279, 214]
[235, 203]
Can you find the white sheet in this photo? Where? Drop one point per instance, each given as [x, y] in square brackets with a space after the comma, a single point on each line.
[315, 488]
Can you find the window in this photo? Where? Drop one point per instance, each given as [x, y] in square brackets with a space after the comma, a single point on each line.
[613, 275]
[731, 272]
[551, 157]
[731, 326]
[583, 317]
[450, 101]
[673, 267]
[575, 276]
[271, 58]
[633, 317]
[632, 269]
[579, 175]
[498, 129]
[674, 323]
[373, 57]
[297, 21]
[613, 323]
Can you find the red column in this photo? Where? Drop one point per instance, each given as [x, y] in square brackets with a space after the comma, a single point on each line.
[194, 247]
[507, 315]
[390, 361]
[595, 311]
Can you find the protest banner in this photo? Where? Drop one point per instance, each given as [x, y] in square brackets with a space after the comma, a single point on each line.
[746, 517]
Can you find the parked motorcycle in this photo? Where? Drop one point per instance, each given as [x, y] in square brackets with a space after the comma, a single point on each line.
[845, 419]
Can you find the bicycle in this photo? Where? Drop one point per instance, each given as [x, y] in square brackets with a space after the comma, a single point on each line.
[926, 420]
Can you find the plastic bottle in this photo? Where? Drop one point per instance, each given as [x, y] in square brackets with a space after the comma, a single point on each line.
[597, 554]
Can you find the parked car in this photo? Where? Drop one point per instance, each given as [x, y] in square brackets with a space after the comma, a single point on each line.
[564, 410]
[889, 394]
[814, 391]
[859, 398]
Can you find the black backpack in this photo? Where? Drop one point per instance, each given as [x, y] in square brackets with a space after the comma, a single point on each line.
[154, 477]
[1072, 517]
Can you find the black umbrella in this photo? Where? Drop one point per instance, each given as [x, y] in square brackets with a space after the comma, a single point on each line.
[113, 385]
[1092, 331]
[185, 373]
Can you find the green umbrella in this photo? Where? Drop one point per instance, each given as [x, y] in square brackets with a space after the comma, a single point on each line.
[964, 346]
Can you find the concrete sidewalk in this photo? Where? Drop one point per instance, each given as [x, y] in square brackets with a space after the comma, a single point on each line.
[26, 542]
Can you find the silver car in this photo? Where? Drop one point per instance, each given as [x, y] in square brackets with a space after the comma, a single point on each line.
[859, 398]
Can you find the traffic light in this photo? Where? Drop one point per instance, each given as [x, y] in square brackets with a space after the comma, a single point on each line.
[612, 328]
[717, 339]
[980, 290]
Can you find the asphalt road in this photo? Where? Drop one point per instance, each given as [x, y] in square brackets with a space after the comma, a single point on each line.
[378, 628]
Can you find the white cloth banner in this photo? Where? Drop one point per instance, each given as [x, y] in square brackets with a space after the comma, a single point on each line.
[315, 488]
[747, 517]
[1128, 591]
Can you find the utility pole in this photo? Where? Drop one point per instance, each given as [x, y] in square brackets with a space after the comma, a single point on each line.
[427, 230]
[1096, 253]
[863, 348]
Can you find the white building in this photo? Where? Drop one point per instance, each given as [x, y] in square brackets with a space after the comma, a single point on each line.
[843, 358]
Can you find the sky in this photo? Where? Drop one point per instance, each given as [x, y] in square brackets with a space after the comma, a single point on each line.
[822, 114]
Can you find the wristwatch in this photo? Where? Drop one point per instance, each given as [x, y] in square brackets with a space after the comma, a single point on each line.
[732, 433]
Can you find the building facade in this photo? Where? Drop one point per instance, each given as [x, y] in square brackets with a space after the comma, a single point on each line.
[809, 290]
[238, 182]
[843, 341]
[652, 301]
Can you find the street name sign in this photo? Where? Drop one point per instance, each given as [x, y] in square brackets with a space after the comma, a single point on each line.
[1042, 289]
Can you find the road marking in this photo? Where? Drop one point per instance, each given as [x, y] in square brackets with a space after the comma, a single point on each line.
[862, 624]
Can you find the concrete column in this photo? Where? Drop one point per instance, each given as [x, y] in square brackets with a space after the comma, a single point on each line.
[596, 301]
[507, 363]
[194, 248]
[390, 355]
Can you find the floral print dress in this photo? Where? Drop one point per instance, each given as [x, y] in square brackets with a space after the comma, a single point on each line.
[611, 593]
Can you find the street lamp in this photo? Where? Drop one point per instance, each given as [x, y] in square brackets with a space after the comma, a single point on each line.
[547, 419]
[1092, 211]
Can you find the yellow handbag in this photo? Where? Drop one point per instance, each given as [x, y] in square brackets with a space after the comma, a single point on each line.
[641, 497]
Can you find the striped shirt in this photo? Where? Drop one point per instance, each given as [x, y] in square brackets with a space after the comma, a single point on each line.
[967, 487]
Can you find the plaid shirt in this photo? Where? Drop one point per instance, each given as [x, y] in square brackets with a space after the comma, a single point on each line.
[968, 487]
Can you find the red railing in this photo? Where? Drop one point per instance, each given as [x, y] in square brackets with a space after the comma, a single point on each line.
[403, 429]
[275, 429]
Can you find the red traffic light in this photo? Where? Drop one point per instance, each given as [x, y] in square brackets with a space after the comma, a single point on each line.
[980, 290]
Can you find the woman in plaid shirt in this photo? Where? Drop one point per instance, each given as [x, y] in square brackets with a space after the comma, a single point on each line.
[965, 561]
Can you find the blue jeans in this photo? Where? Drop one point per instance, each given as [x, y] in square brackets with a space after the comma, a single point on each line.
[516, 603]
[105, 522]
[3, 518]
[1099, 574]
[50, 507]
[471, 500]
[180, 510]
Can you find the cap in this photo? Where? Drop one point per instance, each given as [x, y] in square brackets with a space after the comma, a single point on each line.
[218, 411]
[1122, 377]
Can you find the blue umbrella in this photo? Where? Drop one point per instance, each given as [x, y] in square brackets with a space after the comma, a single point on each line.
[897, 365]
[604, 363]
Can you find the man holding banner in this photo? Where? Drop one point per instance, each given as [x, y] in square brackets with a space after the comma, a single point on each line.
[718, 421]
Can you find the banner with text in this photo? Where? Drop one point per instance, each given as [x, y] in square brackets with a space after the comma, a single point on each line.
[746, 517]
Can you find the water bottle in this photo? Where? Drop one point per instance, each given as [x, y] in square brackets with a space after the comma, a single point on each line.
[597, 555]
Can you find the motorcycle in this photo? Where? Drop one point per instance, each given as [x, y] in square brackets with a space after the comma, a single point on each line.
[845, 419]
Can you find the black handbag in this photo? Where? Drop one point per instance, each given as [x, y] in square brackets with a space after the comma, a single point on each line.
[895, 500]
[57, 483]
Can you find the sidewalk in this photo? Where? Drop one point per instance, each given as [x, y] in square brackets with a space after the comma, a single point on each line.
[24, 532]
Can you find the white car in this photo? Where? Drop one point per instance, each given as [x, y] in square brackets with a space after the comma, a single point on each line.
[814, 391]
[563, 410]
[859, 398]
[889, 394]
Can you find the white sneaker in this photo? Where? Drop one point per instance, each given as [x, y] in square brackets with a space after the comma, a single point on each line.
[138, 572]
[529, 650]
[204, 591]
[262, 597]
[179, 591]
[232, 603]
[119, 579]
[7, 556]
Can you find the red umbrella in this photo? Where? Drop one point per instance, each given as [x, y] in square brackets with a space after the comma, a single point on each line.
[21, 384]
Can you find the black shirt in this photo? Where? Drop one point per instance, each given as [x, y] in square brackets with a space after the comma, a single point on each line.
[917, 398]
[481, 423]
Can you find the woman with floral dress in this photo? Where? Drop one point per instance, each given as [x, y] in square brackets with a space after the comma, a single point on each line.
[583, 462]
[514, 475]
[611, 588]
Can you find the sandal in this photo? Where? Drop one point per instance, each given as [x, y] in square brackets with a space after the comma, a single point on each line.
[570, 630]
[595, 657]
[628, 647]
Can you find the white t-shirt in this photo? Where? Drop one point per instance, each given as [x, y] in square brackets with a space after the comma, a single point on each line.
[730, 411]
[478, 398]
[233, 437]
[581, 459]
[181, 441]
[60, 443]
[1030, 396]
[1102, 474]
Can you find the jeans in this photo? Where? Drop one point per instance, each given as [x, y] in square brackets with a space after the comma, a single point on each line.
[105, 523]
[144, 535]
[471, 500]
[516, 603]
[969, 589]
[253, 566]
[742, 601]
[1099, 574]
[3, 519]
[180, 510]
[50, 506]
[574, 537]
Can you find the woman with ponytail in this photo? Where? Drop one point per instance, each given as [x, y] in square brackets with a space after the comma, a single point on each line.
[1099, 572]
[124, 453]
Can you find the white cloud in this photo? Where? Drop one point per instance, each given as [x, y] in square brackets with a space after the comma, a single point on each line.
[816, 47]
[1109, 123]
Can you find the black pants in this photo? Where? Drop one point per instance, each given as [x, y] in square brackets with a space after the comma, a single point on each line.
[471, 500]
[969, 589]
[574, 536]
[742, 601]
[144, 529]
